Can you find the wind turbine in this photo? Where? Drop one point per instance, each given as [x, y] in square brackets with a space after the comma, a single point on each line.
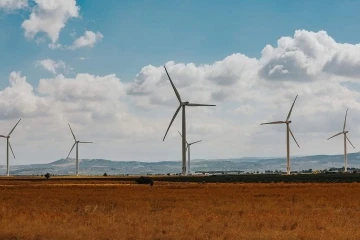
[345, 138]
[288, 130]
[77, 150]
[7, 147]
[182, 105]
[188, 149]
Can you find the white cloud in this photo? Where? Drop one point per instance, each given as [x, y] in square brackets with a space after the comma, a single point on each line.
[124, 117]
[19, 100]
[54, 46]
[345, 61]
[300, 58]
[245, 109]
[89, 39]
[248, 91]
[97, 96]
[51, 65]
[232, 68]
[83, 87]
[13, 4]
[92, 104]
[49, 17]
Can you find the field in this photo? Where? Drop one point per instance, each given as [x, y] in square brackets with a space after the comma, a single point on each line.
[114, 209]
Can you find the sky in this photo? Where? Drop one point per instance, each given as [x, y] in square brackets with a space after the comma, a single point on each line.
[99, 67]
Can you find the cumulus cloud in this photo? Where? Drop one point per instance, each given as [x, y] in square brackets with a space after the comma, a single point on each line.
[216, 81]
[84, 87]
[300, 58]
[246, 109]
[50, 18]
[51, 65]
[94, 105]
[232, 68]
[247, 91]
[13, 4]
[345, 61]
[89, 39]
[19, 99]
[97, 96]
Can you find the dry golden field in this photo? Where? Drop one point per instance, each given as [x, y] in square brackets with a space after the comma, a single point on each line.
[111, 210]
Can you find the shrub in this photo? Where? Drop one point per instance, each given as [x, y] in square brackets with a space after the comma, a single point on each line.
[47, 175]
[145, 180]
[105, 175]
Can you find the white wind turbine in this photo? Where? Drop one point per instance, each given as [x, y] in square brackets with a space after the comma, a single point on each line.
[288, 130]
[188, 149]
[182, 105]
[77, 150]
[345, 138]
[7, 147]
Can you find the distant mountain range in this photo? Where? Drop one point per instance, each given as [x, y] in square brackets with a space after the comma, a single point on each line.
[101, 166]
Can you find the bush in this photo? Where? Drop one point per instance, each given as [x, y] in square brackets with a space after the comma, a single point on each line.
[145, 180]
[47, 175]
[105, 175]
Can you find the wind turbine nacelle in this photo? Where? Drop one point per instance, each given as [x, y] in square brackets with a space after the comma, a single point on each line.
[345, 132]
[185, 103]
[288, 121]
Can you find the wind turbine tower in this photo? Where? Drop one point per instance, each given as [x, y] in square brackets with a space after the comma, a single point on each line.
[345, 138]
[182, 105]
[77, 150]
[8, 145]
[288, 130]
[188, 149]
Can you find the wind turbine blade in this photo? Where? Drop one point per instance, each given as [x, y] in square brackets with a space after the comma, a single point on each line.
[14, 127]
[177, 110]
[71, 150]
[11, 149]
[335, 135]
[350, 142]
[172, 84]
[181, 136]
[293, 137]
[3, 136]
[72, 132]
[277, 122]
[85, 142]
[291, 108]
[198, 105]
[195, 142]
[345, 120]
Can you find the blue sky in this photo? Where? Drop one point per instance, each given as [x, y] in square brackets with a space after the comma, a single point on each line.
[287, 48]
[138, 33]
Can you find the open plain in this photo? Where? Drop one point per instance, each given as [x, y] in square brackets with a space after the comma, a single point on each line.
[112, 209]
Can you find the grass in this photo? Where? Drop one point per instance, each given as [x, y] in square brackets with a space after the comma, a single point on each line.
[112, 210]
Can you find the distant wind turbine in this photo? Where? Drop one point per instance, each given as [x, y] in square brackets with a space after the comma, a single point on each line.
[7, 147]
[77, 150]
[345, 138]
[288, 130]
[188, 149]
[182, 105]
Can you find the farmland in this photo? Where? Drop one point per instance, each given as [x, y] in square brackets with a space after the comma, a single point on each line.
[110, 208]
